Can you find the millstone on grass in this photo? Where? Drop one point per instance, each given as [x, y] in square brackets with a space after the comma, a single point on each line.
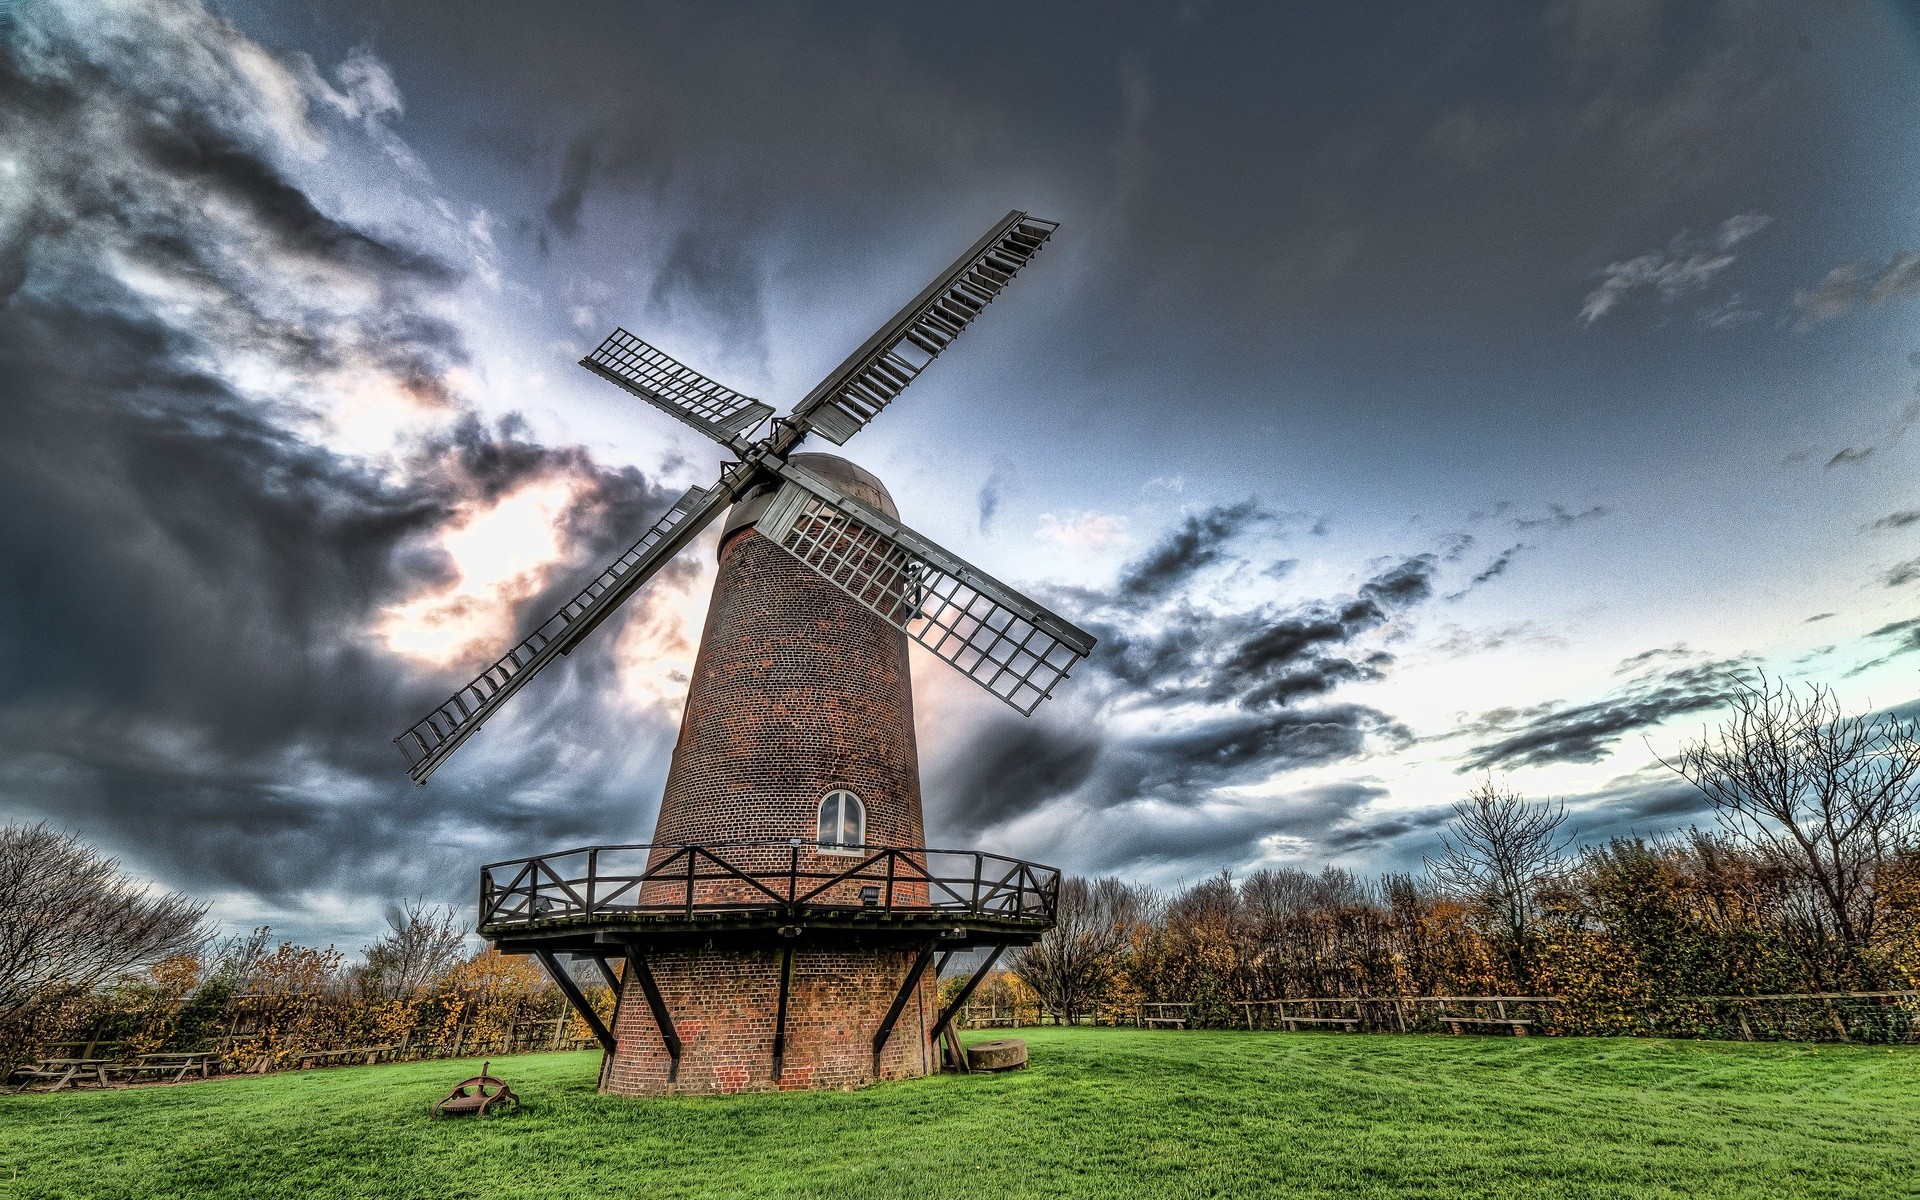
[1003, 1054]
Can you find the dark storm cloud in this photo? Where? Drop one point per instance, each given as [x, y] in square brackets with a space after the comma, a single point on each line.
[1585, 733]
[727, 141]
[1146, 835]
[1279, 658]
[186, 634]
[712, 274]
[1559, 517]
[1210, 700]
[1650, 803]
[1409, 582]
[576, 171]
[1906, 419]
[1895, 520]
[1246, 747]
[1267, 658]
[1196, 543]
[821, 134]
[1498, 566]
[1199, 541]
[1011, 767]
[1897, 638]
[992, 492]
[1901, 574]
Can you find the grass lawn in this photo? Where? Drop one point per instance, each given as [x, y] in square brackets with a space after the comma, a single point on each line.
[1101, 1112]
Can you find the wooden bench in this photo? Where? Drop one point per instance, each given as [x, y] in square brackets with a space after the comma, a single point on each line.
[367, 1054]
[1454, 1023]
[1175, 1022]
[177, 1065]
[1350, 1024]
[63, 1071]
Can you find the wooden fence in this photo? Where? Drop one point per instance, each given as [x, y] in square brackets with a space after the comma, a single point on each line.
[1874, 1017]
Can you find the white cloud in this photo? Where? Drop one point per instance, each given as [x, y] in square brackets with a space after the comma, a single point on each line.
[1083, 530]
[1852, 286]
[1686, 265]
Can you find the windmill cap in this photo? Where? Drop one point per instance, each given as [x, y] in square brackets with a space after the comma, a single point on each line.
[856, 481]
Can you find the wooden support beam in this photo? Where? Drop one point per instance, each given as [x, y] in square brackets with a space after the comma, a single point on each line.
[571, 990]
[637, 967]
[606, 972]
[780, 1013]
[900, 1002]
[966, 992]
[619, 994]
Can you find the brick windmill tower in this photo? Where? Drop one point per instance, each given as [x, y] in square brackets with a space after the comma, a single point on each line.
[786, 925]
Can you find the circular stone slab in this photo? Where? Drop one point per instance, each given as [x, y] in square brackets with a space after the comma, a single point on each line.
[1003, 1054]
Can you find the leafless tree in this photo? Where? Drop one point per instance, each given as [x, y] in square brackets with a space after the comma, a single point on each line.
[70, 920]
[422, 943]
[1070, 963]
[1499, 852]
[1829, 797]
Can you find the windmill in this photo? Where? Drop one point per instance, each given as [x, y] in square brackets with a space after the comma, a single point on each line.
[787, 887]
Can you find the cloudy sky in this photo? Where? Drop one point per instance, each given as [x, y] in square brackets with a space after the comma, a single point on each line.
[1463, 389]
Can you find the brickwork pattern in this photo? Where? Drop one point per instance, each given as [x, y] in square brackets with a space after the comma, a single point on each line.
[797, 691]
[723, 1005]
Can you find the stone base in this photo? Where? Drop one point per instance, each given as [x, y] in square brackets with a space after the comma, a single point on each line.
[723, 1005]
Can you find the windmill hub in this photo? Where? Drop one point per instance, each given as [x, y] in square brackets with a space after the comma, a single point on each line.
[782, 927]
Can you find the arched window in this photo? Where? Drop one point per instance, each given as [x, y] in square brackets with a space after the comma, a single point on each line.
[843, 823]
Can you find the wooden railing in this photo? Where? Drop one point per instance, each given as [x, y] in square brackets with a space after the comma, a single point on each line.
[787, 878]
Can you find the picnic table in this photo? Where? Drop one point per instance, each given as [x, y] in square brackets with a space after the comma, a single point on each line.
[63, 1071]
[1350, 1024]
[177, 1065]
[367, 1054]
[1455, 1023]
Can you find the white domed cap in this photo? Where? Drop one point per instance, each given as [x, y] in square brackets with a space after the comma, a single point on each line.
[856, 481]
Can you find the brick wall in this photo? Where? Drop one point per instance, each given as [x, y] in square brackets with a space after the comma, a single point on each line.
[723, 1003]
[797, 691]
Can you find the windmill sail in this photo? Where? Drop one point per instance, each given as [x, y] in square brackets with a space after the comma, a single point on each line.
[992, 634]
[676, 389]
[441, 731]
[868, 381]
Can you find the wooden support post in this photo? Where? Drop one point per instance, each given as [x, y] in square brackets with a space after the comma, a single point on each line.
[966, 992]
[955, 1053]
[780, 1012]
[637, 967]
[571, 990]
[619, 995]
[912, 981]
[606, 973]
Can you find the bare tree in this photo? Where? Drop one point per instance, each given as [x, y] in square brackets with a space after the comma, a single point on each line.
[70, 920]
[1069, 965]
[1831, 798]
[1499, 851]
[422, 943]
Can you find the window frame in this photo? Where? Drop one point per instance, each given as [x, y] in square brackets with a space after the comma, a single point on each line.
[841, 848]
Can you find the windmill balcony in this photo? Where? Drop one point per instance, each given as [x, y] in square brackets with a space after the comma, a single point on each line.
[588, 898]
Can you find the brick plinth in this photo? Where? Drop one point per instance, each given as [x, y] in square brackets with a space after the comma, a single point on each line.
[723, 1004]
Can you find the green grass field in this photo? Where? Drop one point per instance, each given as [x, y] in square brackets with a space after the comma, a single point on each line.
[1099, 1113]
